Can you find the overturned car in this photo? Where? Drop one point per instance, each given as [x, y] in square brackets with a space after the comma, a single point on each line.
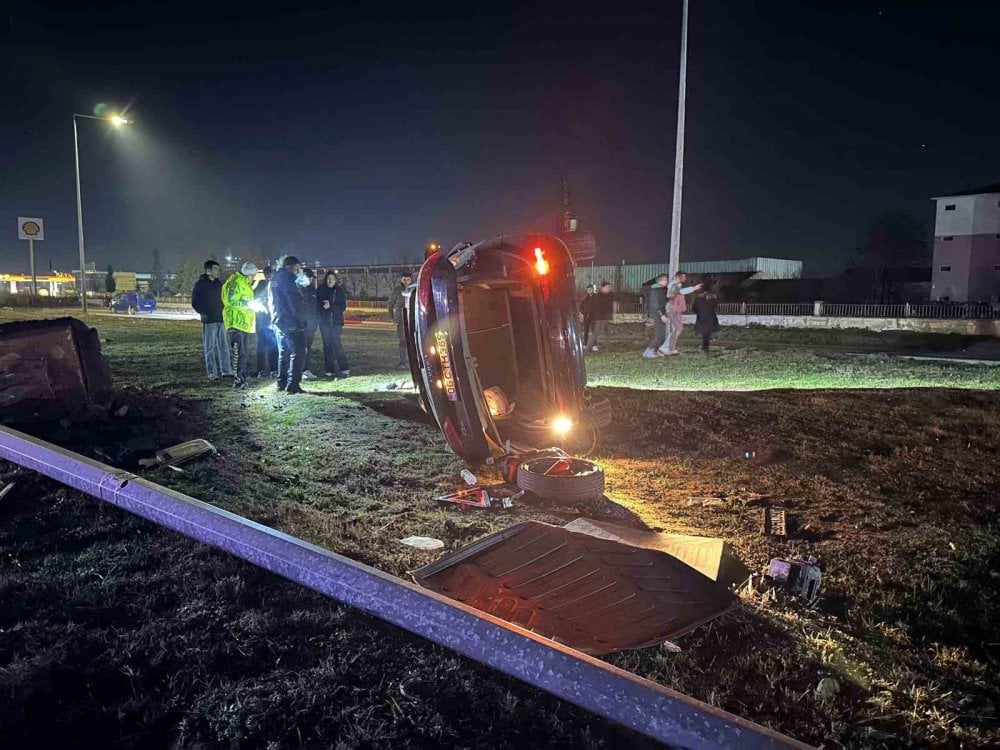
[496, 350]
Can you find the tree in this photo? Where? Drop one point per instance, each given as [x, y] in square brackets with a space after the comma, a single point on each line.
[109, 281]
[157, 279]
[894, 240]
[188, 271]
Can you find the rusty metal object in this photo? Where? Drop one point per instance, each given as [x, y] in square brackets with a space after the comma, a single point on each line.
[595, 595]
[49, 366]
[773, 521]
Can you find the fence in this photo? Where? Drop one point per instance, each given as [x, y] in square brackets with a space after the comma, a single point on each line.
[931, 310]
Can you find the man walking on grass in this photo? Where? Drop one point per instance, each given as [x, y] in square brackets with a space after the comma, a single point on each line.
[288, 320]
[656, 312]
[239, 319]
[206, 299]
[676, 307]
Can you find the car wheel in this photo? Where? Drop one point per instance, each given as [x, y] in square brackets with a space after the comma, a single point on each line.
[598, 413]
[131, 310]
[579, 479]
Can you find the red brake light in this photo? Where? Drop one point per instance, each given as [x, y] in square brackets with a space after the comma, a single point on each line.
[541, 265]
[424, 289]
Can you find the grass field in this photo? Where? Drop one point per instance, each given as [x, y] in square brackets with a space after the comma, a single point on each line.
[895, 490]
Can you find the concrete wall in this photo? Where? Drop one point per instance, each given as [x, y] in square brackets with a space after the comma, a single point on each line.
[950, 274]
[967, 243]
[923, 325]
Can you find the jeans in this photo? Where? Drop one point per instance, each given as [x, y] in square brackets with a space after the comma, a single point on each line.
[310, 336]
[401, 335]
[675, 322]
[334, 356]
[597, 333]
[657, 334]
[216, 346]
[239, 345]
[291, 357]
[267, 346]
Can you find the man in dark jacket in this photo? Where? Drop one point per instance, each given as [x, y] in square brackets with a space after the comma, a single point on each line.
[396, 313]
[288, 319]
[206, 299]
[267, 346]
[656, 310]
[332, 303]
[311, 305]
[602, 309]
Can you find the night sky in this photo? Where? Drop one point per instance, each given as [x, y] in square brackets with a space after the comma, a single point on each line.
[360, 133]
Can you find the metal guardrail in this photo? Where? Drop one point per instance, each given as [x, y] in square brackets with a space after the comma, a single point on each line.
[642, 705]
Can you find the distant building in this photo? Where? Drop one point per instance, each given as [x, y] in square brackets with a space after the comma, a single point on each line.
[967, 246]
[634, 277]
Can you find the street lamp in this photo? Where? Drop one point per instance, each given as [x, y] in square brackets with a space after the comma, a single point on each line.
[117, 121]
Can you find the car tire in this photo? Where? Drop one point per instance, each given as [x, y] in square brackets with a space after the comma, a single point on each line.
[598, 414]
[586, 481]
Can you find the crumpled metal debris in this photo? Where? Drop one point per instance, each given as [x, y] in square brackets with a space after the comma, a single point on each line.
[801, 578]
[180, 453]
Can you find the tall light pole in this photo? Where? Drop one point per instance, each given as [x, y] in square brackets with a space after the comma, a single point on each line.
[675, 223]
[117, 121]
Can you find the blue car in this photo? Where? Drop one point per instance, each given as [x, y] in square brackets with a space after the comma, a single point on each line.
[133, 302]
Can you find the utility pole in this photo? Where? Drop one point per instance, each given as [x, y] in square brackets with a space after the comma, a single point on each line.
[675, 223]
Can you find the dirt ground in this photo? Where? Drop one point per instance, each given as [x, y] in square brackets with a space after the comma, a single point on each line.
[895, 490]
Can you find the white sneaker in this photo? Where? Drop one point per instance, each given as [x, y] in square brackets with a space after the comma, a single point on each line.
[595, 349]
[307, 375]
[328, 374]
[650, 354]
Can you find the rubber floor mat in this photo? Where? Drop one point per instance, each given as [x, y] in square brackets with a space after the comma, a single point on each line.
[595, 595]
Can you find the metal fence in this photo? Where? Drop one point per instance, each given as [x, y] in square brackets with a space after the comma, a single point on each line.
[933, 310]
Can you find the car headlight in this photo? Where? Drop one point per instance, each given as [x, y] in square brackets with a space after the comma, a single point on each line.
[561, 425]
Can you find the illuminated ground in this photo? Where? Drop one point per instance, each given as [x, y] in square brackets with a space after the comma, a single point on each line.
[896, 491]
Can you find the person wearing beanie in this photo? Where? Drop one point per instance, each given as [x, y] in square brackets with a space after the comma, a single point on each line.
[311, 306]
[288, 319]
[239, 319]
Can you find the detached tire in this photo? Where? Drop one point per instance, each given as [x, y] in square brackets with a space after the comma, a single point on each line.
[585, 480]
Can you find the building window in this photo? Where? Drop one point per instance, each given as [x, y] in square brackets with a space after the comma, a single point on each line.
[945, 268]
[950, 207]
[947, 239]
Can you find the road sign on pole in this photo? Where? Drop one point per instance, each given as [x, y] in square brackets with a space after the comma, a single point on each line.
[31, 229]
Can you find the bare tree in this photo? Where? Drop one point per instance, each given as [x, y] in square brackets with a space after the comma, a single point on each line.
[894, 240]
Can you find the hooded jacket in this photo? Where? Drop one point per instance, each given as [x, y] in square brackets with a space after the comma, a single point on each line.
[206, 299]
[236, 296]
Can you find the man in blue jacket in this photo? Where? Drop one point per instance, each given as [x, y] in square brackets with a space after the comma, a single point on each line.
[288, 319]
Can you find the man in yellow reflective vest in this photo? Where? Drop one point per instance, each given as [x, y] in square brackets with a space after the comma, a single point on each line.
[239, 317]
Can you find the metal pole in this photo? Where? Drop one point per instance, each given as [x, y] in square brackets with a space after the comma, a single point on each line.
[675, 225]
[31, 260]
[79, 221]
[651, 709]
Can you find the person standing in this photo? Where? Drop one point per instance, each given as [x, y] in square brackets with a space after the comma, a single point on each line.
[267, 346]
[676, 307]
[602, 310]
[656, 311]
[332, 303]
[206, 299]
[239, 319]
[706, 320]
[586, 312]
[288, 319]
[396, 313]
[310, 303]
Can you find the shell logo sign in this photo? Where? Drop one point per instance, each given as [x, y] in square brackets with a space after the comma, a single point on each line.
[30, 228]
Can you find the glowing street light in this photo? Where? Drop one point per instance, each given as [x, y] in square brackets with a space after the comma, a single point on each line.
[117, 121]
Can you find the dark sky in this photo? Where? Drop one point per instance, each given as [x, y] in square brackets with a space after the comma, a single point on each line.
[359, 133]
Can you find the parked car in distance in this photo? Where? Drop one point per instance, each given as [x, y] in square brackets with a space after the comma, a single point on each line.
[133, 302]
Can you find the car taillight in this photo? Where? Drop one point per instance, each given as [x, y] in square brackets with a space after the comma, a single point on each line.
[424, 288]
[451, 434]
[541, 265]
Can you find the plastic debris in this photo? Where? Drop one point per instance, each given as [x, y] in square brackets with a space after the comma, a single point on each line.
[801, 578]
[6, 490]
[423, 542]
[469, 477]
[827, 689]
[122, 410]
[181, 453]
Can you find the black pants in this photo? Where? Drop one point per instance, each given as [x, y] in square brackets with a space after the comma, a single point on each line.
[310, 336]
[267, 345]
[334, 356]
[401, 335]
[657, 334]
[291, 357]
[706, 338]
[239, 350]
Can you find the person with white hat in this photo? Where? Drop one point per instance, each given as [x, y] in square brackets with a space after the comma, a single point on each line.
[239, 319]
